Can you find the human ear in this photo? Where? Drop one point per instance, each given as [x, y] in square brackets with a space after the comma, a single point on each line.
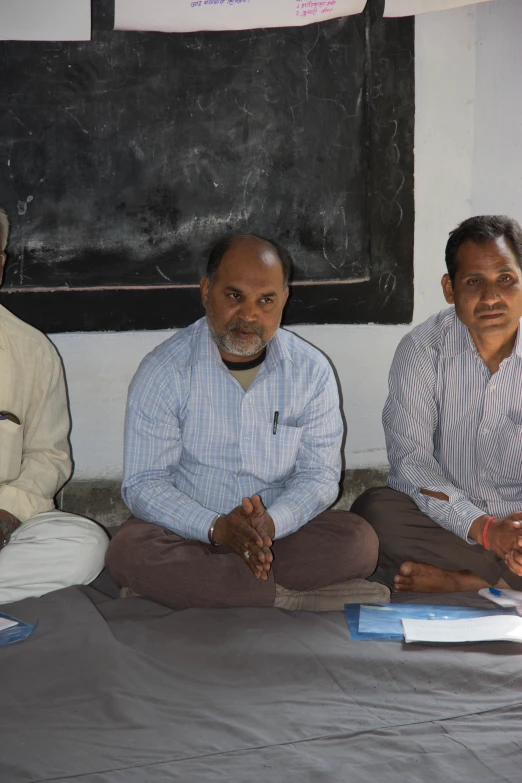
[447, 289]
[204, 287]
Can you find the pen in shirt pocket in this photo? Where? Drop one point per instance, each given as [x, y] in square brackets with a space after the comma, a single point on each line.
[276, 417]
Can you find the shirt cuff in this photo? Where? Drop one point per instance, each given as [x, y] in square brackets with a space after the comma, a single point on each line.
[283, 519]
[199, 523]
[461, 517]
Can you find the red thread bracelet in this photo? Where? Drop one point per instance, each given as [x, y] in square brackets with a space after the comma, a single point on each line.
[485, 532]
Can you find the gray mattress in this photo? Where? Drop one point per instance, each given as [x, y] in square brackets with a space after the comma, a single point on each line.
[126, 691]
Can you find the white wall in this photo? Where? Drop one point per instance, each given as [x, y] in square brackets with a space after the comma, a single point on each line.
[466, 95]
[497, 160]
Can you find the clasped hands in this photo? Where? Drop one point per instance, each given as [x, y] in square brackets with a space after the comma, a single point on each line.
[248, 530]
[504, 538]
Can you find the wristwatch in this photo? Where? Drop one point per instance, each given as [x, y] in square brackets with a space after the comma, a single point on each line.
[5, 534]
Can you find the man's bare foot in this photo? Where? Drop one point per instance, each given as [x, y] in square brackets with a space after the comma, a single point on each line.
[424, 578]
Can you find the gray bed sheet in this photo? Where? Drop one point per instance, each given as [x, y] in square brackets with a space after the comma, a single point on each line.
[128, 691]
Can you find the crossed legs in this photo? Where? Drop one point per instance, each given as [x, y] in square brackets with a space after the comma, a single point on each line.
[334, 547]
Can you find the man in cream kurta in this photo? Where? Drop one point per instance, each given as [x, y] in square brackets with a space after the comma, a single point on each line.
[41, 549]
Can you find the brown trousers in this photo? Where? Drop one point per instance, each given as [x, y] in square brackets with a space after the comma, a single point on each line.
[405, 533]
[334, 547]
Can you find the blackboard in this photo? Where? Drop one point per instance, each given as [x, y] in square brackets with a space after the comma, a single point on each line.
[124, 158]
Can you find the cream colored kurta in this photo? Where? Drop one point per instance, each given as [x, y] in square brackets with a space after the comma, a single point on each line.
[34, 456]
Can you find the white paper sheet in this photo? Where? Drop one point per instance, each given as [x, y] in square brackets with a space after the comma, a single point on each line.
[4, 624]
[507, 598]
[45, 20]
[412, 7]
[477, 629]
[176, 16]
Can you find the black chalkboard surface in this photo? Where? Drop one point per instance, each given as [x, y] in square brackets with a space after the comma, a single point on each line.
[124, 158]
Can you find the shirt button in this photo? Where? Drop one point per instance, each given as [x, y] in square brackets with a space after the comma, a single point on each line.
[493, 386]
[486, 432]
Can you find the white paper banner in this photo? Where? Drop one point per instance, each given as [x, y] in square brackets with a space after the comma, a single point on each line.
[413, 7]
[176, 16]
[45, 20]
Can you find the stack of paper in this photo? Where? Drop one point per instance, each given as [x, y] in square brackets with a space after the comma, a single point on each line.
[388, 622]
[502, 597]
[477, 629]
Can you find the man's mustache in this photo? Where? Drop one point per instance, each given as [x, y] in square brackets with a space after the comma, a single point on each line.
[245, 327]
[490, 309]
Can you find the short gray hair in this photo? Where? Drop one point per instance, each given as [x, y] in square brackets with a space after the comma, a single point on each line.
[5, 228]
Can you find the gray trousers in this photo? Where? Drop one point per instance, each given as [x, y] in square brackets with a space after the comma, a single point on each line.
[156, 563]
[405, 533]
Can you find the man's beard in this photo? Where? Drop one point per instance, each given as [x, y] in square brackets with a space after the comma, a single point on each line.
[234, 345]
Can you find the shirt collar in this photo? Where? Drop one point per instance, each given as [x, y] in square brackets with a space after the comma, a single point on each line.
[459, 339]
[204, 348]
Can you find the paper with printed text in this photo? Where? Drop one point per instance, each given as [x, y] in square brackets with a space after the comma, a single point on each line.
[173, 16]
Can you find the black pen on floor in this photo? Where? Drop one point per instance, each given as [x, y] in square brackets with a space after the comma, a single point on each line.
[276, 416]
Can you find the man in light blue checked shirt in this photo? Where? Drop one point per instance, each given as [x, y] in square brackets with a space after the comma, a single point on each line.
[451, 516]
[232, 455]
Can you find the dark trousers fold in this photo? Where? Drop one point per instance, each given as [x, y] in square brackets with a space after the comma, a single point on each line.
[406, 533]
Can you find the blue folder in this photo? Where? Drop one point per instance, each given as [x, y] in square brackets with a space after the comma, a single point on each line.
[16, 633]
[382, 622]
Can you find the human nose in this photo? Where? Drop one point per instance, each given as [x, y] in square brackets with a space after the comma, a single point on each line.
[248, 311]
[489, 294]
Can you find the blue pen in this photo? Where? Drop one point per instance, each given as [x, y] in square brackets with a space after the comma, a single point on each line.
[503, 594]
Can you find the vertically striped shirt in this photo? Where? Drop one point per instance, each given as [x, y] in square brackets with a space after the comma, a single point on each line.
[196, 443]
[453, 427]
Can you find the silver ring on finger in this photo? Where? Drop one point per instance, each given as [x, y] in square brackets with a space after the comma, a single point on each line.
[246, 554]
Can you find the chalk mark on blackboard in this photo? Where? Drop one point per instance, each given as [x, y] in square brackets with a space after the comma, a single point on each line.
[164, 276]
[51, 289]
[19, 121]
[387, 283]
[243, 108]
[67, 111]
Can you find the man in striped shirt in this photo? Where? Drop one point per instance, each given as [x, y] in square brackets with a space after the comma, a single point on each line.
[232, 456]
[451, 516]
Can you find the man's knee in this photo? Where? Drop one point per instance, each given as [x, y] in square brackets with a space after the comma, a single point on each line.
[374, 506]
[76, 545]
[356, 545]
[121, 553]
[365, 543]
[89, 541]
[128, 550]
[368, 501]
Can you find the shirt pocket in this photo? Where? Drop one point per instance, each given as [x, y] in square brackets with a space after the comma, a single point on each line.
[508, 468]
[11, 443]
[276, 454]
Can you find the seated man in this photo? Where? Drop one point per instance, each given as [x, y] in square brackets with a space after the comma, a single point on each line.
[41, 549]
[232, 455]
[450, 517]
